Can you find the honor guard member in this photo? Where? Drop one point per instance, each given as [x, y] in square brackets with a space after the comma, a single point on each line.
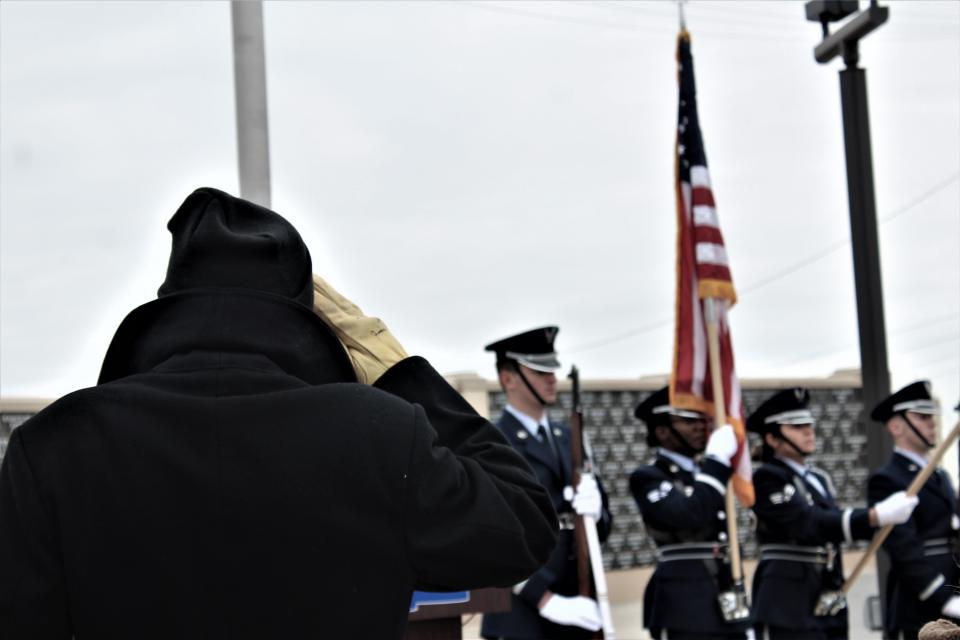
[683, 508]
[546, 605]
[800, 526]
[923, 572]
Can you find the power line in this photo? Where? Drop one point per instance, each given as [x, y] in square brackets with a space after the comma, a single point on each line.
[783, 273]
[634, 8]
[671, 11]
[745, 25]
[753, 12]
[589, 346]
[900, 353]
[939, 342]
[793, 361]
[925, 323]
[782, 23]
[552, 17]
[846, 241]
[704, 30]
[942, 372]
[950, 356]
[936, 188]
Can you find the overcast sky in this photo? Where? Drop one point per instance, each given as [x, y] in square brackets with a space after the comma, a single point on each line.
[470, 170]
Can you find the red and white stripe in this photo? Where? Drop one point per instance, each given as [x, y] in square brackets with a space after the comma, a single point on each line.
[703, 272]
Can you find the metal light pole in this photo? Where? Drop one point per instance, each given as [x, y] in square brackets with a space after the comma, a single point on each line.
[250, 86]
[874, 370]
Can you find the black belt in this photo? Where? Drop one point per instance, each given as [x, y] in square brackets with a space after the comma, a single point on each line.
[692, 551]
[937, 547]
[799, 553]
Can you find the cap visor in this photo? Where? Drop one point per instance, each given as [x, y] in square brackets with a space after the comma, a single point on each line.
[543, 363]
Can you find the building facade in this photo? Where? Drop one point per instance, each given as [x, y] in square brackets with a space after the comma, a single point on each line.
[619, 445]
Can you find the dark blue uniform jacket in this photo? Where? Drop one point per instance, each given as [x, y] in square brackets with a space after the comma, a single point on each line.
[559, 574]
[793, 520]
[679, 507]
[923, 573]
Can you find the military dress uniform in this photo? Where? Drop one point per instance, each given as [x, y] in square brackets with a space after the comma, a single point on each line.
[548, 451]
[683, 509]
[923, 568]
[799, 529]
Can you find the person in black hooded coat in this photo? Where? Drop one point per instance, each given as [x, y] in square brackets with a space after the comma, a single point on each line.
[229, 478]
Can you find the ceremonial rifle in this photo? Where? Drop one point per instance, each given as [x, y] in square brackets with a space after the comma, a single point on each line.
[832, 602]
[585, 528]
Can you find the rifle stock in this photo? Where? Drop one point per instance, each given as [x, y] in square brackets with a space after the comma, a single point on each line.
[585, 535]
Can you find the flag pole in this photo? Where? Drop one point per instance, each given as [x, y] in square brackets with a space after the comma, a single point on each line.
[720, 416]
[250, 88]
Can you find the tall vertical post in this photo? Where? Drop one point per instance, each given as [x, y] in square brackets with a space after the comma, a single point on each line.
[250, 87]
[874, 369]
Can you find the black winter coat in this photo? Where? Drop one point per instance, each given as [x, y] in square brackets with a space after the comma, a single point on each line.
[222, 483]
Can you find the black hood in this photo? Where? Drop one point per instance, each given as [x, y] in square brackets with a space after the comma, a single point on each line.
[222, 241]
[239, 280]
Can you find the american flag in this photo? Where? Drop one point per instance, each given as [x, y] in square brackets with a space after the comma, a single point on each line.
[702, 273]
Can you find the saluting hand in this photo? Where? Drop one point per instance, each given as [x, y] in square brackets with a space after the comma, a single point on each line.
[370, 345]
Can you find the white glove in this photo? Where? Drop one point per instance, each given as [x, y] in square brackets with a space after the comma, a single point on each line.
[895, 508]
[722, 443]
[951, 608]
[587, 501]
[577, 611]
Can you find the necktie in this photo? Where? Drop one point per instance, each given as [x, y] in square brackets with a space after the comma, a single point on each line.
[542, 435]
[814, 482]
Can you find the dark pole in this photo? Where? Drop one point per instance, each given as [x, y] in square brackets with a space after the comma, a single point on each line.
[874, 369]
